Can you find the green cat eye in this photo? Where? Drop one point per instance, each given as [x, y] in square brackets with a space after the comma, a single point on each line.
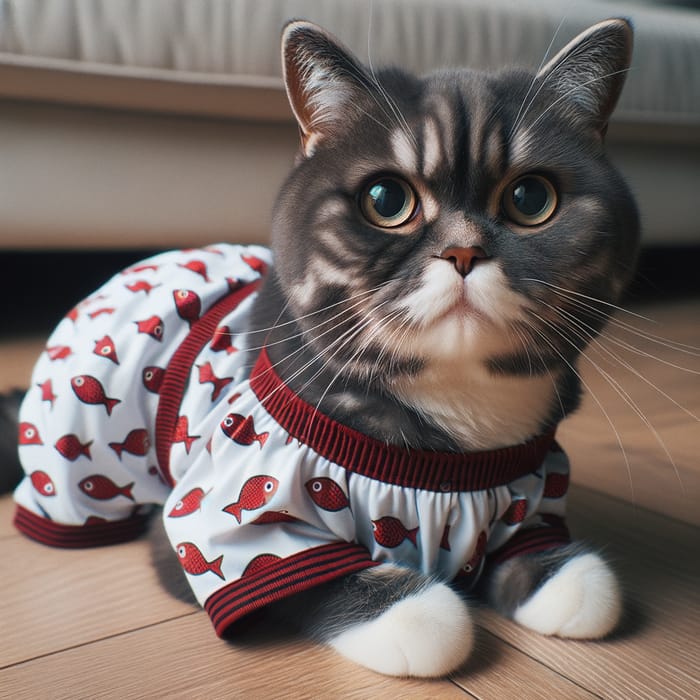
[388, 202]
[530, 200]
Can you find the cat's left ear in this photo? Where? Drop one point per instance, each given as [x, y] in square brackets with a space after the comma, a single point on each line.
[591, 69]
[326, 85]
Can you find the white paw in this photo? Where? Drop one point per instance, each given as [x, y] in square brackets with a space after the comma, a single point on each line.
[581, 601]
[427, 634]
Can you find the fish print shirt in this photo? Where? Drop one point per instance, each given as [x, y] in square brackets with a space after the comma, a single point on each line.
[146, 395]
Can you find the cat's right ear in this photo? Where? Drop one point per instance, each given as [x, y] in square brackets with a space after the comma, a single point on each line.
[325, 83]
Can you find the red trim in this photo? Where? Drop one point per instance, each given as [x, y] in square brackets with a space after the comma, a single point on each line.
[532, 540]
[419, 469]
[294, 574]
[78, 536]
[178, 371]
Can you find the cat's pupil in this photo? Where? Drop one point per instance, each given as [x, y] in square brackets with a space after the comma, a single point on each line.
[388, 198]
[530, 197]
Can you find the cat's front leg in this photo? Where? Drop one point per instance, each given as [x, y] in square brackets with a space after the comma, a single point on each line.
[569, 591]
[395, 621]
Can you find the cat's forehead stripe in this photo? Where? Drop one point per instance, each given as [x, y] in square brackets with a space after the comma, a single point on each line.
[404, 151]
[432, 148]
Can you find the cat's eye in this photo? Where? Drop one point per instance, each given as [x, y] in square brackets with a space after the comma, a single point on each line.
[388, 202]
[530, 200]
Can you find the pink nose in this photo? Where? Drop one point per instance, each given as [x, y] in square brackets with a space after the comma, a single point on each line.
[463, 259]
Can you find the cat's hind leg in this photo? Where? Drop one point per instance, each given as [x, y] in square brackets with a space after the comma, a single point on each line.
[569, 591]
[395, 621]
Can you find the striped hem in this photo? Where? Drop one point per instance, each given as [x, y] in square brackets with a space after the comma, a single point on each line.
[533, 540]
[95, 534]
[294, 574]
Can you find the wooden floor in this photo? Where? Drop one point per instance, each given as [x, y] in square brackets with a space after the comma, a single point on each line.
[101, 624]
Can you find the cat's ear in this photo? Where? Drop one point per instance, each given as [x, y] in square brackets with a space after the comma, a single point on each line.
[326, 85]
[591, 69]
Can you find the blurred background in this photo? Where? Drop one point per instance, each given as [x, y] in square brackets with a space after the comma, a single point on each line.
[133, 126]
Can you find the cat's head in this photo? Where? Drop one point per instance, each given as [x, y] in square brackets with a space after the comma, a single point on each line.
[465, 217]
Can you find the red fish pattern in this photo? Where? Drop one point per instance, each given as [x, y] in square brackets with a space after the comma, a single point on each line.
[102, 488]
[42, 483]
[29, 434]
[188, 504]
[152, 377]
[198, 267]
[90, 390]
[255, 493]
[221, 341]
[260, 563]
[182, 435]
[327, 494]
[391, 532]
[207, 376]
[479, 551]
[70, 447]
[193, 561]
[104, 311]
[188, 305]
[104, 347]
[137, 442]
[556, 485]
[241, 429]
[58, 352]
[153, 326]
[47, 392]
[270, 517]
[141, 286]
[516, 512]
[255, 262]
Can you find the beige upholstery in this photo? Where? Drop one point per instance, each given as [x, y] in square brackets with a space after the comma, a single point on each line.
[164, 122]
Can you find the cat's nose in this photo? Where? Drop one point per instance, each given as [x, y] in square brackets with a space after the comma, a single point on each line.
[463, 259]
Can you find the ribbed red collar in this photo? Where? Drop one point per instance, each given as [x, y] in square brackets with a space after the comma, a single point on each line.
[361, 454]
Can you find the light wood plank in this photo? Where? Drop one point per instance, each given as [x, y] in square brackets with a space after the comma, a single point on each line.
[664, 469]
[656, 653]
[183, 659]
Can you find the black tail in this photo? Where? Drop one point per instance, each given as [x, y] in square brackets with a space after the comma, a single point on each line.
[10, 468]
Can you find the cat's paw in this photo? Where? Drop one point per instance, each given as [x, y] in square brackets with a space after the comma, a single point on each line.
[581, 601]
[428, 634]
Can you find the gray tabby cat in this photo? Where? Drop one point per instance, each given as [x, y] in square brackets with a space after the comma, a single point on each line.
[444, 249]
[432, 248]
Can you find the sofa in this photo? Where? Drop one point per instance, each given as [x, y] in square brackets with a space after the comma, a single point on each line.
[158, 123]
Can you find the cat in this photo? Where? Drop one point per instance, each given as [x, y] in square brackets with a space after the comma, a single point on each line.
[414, 335]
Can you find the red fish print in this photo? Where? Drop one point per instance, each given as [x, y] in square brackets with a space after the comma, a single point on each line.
[73, 314]
[274, 516]
[188, 504]
[194, 562]
[29, 434]
[445, 541]
[516, 512]
[556, 485]
[262, 561]
[234, 284]
[89, 390]
[58, 352]
[187, 304]
[41, 481]
[141, 286]
[105, 311]
[181, 433]
[233, 398]
[256, 492]
[206, 376]
[391, 532]
[153, 471]
[70, 447]
[256, 263]
[136, 443]
[327, 494]
[47, 392]
[198, 267]
[242, 430]
[477, 556]
[140, 268]
[221, 341]
[152, 326]
[102, 488]
[152, 378]
[94, 520]
[104, 347]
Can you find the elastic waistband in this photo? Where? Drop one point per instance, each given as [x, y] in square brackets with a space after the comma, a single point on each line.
[360, 454]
